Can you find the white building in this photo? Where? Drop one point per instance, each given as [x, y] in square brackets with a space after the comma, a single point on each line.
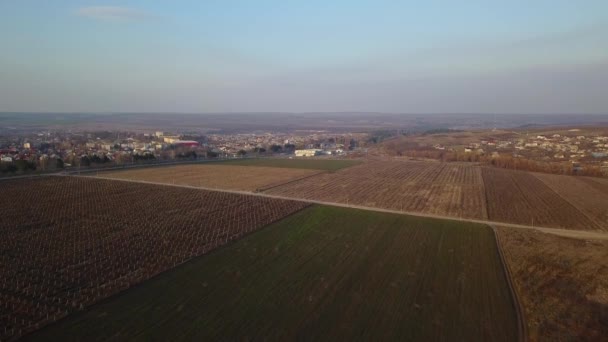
[308, 153]
[171, 139]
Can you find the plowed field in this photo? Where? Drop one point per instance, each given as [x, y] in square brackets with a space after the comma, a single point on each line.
[520, 197]
[218, 176]
[585, 194]
[443, 189]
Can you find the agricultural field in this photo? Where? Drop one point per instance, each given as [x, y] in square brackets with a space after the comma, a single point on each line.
[434, 188]
[562, 284]
[462, 191]
[324, 273]
[583, 193]
[221, 176]
[297, 163]
[520, 197]
[68, 242]
[600, 184]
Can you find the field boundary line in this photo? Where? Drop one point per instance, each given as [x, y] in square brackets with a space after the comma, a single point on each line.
[485, 194]
[565, 198]
[262, 189]
[76, 171]
[157, 275]
[580, 234]
[522, 326]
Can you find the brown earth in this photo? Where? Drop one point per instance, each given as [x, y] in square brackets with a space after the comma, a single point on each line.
[520, 197]
[459, 190]
[584, 193]
[229, 177]
[600, 184]
[434, 188]
[562, 284]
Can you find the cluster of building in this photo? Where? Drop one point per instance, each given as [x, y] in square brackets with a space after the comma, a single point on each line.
[66, 149]
[555, 146]
[572, 147]
[323, 142]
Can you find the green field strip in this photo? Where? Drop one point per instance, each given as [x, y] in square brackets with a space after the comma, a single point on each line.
[324, 273]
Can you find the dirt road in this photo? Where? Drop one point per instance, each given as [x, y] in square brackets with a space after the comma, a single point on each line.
[587, 235]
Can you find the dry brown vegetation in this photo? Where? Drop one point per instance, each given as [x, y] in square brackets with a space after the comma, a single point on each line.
[434, 188]
[584, 193]
[562, 284]
[69, 242]
[229, 177]
[462, 190]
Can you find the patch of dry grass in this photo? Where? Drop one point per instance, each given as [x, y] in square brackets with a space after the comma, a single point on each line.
[562, 284]
[230, 177]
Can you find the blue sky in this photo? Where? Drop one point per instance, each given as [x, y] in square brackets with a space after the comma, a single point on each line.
[220, 56]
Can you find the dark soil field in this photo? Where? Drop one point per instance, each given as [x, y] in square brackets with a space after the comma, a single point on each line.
[324, 273]
[520, 197]
[601, 184]
[68, 242]
[584, 193]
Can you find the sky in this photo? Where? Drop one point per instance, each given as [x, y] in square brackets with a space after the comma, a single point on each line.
[475, 56]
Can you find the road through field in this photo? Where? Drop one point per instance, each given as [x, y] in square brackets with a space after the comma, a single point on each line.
[589, 235]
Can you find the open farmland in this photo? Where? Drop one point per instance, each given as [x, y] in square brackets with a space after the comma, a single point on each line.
[221, 176]
[434, 188]
[462, 191]
[562, 284]
[69, 242]
[324, 273]
[297, 163]
[601, 184]
[583, 193]
[520, 197]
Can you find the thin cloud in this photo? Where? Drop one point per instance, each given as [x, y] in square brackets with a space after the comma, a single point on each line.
[112, 13]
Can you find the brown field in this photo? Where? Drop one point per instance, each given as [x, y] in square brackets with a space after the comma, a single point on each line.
[68, 242]
[457, 190]
[231, 177]
[600, 184]
[562, 284]
[520, 197]
[463, 190]
[435, 188]
[584, 193]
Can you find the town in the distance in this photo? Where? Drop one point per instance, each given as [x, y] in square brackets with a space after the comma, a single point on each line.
[553, 148]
